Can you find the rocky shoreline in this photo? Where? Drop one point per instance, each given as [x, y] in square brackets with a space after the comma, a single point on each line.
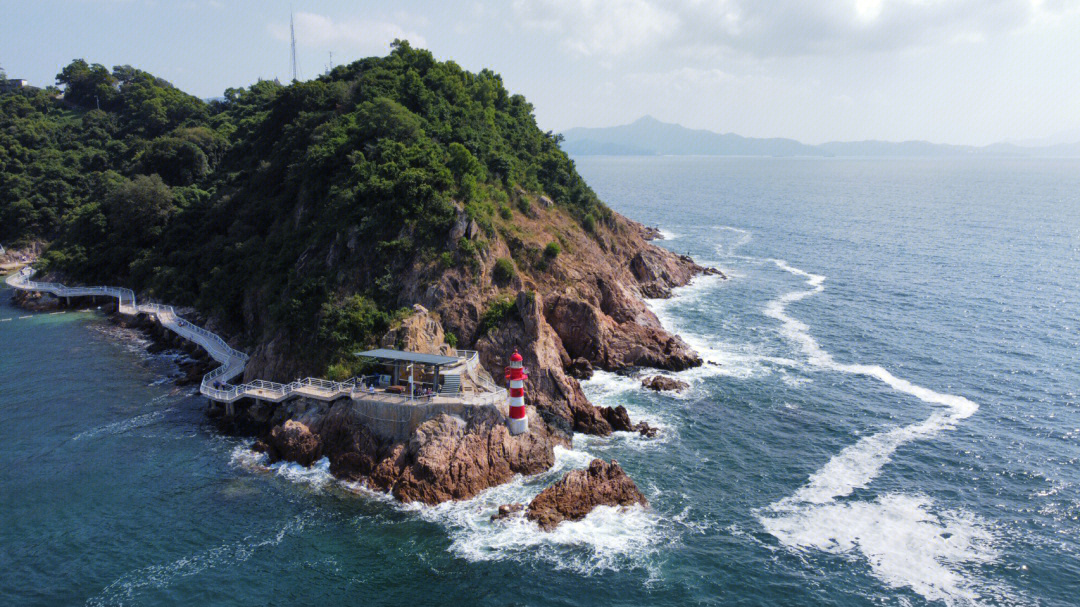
[586, 313]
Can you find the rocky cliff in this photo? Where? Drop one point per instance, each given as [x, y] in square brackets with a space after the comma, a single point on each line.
[448, 457]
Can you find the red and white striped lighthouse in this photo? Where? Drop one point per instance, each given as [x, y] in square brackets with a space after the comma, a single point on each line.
[515, 381]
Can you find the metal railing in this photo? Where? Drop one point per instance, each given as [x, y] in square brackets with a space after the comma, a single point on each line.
[215, 384]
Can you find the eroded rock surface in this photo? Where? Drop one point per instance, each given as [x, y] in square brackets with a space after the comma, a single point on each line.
[580, 491]
[293, 441]
[662, 383]
[447, 458]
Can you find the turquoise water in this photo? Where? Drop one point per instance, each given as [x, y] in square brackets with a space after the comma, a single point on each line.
[891, 417]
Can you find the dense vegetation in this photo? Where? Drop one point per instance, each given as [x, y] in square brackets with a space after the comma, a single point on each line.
[248, 204]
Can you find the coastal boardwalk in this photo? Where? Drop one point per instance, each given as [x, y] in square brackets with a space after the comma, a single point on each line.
[215, 384]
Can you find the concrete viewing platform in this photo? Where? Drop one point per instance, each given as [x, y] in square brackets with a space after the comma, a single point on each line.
[457, 382]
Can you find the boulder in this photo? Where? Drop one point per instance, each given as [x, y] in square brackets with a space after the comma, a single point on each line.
[293, 441]
[662, 383]
[580, 368]
[506, 511]
[579, 491]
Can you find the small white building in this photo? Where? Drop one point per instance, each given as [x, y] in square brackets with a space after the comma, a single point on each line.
[12, 84]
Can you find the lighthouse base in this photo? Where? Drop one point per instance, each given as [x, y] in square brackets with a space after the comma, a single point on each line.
[518, 426]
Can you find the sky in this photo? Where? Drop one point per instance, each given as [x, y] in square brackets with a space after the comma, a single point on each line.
[948, 71]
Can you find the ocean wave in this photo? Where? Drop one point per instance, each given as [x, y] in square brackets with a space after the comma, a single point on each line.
[904, 542]
[122, 426]
[607, 539]
[126, 589]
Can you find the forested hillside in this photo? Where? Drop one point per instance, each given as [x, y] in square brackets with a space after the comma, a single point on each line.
[307, 221]
[135, 182]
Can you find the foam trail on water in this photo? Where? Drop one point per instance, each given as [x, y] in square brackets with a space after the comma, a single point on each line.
[860, 463]
[905, 542]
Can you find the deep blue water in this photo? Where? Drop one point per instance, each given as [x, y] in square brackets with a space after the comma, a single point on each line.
[890, 416]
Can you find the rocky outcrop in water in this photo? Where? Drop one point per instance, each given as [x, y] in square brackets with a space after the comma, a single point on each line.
[293, 441]
[447, 458]
[580, 491]
[661, 383]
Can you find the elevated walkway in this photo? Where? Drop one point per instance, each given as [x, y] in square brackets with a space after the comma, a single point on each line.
[215, 384]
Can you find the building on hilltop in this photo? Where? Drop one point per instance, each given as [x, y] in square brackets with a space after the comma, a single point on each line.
[12, 84]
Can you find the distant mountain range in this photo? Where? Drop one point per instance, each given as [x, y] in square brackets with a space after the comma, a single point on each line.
[648, 136]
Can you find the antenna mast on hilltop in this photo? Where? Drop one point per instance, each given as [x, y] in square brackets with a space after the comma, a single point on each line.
[292, 43]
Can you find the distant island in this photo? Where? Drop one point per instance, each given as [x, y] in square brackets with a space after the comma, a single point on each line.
[648, 136]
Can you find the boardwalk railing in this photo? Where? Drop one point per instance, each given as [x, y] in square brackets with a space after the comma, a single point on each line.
[215, 384]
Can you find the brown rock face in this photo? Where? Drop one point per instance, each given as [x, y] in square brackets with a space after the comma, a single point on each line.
[447, 458]
[294, 441]
[577, 493]
[420, 332]
[548, 388]
[587, 332]
[661, 383]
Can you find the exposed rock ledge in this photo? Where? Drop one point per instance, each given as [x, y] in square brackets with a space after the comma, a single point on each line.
[447, 458]
[577, 493]
[661, 383]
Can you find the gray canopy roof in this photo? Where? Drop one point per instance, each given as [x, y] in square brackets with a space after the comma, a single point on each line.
[412, 357]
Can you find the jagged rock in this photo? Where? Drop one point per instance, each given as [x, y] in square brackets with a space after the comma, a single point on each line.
[293, 441]
[420, 332]
[661, 383]
[618, 418]
[587, 332]
[450, 459]
[447, 458]
[579, 491]
[644, 429]
[580, 368]
[651, 233]
[506, 511]
[350, 446]
[548, 388]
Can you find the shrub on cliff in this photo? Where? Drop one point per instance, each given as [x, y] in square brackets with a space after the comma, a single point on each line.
[497, 310]
[503, 271]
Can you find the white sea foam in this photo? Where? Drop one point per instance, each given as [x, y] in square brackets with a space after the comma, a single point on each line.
[126, 589]
[608, 538]
[138, 421]
[904, 542]
[721, 358]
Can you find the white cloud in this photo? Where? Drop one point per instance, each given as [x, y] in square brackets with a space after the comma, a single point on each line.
[358, 35]
[599, 28]
[779, 27]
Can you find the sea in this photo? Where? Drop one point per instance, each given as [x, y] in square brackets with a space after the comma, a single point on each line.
[888, 414]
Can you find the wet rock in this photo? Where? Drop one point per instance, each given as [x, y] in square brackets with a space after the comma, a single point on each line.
[580, 368]
[618, 418]
[447, 458]
[580, 491]
[661, 383]
[293, 441]
[506, 511]
[450, 459]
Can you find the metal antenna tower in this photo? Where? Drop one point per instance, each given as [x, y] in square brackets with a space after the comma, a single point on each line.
[292, 41]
